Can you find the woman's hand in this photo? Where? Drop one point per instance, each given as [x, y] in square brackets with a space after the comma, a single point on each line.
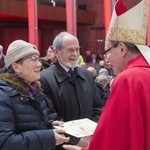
[58, 123]
[60, 137]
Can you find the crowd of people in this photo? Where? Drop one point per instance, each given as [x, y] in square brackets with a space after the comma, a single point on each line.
[39, 93]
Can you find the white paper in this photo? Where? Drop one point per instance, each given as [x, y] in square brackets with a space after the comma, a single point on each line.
[80, 128]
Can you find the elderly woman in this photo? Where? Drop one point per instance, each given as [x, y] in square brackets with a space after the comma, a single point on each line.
[24, 122]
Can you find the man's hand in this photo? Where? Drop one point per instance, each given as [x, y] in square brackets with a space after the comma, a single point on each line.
[58, 123]
[84, 141]
[59, 136]
[71, 147]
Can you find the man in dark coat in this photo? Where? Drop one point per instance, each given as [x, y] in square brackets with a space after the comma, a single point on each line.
[69, 100]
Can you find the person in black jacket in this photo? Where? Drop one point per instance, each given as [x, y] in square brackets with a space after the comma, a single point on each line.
[24, 114]
[2, 57]
[2, 61]
[69, 100]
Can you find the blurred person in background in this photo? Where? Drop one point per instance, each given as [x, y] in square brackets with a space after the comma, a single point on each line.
[93, 71]
[100, 66]
[80, 59]
[2, 57]
[102, 82]
[83, 64]
[49, 59]
[2, 61]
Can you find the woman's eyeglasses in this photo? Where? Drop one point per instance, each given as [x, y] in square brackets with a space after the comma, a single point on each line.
[34, 58]
[31, 58]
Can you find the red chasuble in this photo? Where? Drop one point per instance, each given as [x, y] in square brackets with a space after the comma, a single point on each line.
[125, 120]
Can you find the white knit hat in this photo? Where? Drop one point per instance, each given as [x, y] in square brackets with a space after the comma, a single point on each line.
[18, 50]
[130, 26]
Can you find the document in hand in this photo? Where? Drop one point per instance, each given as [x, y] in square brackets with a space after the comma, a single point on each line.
[80, 128]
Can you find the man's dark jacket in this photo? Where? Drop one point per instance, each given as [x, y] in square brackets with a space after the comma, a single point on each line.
[69, 101]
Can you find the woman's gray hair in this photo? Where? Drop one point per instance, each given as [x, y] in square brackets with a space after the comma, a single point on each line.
[10, 70]
[59, 41]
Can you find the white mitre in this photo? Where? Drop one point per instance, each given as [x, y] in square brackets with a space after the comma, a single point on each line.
[130, 26]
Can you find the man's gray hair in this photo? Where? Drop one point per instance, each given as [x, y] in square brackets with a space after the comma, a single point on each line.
[59, 41]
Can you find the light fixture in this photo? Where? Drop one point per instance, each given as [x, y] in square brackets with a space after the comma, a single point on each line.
[53, 2]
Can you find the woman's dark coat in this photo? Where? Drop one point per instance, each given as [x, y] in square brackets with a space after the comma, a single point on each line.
[24, 123]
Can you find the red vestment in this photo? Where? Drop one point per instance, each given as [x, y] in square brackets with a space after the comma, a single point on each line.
[125, 121]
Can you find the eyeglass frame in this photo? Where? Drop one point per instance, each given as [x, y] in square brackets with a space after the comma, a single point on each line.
[35, 59]
[110, 48]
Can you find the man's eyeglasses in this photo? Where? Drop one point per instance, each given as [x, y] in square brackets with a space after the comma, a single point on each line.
[110, 49]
